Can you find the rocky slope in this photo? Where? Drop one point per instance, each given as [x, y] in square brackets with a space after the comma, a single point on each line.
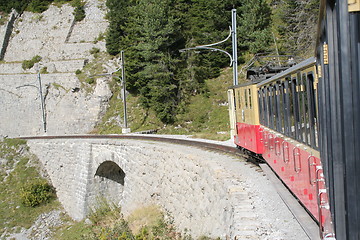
[65, 47]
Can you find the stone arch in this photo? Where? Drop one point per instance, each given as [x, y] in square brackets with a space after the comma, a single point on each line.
[109, 182]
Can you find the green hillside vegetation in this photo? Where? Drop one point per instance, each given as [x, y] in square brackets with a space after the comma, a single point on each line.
[185, 93]
[152, 32]
[206, 114]
[107, 223]
[24, 194]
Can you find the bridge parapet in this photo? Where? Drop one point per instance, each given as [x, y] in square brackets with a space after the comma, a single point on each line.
[186, 182]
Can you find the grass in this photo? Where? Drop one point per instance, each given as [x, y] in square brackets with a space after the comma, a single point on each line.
[107, 222]
[139, 119]
[88, 75]
[13, 214]
[4, 18]
[58, 86]
[205, 117]
[207, 114]
[27, 64]
[148, 216]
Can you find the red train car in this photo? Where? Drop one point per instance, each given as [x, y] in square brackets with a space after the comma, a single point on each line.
[277, 119]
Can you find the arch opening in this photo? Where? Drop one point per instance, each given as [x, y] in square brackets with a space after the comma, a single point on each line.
[111, 171]
[107, 184]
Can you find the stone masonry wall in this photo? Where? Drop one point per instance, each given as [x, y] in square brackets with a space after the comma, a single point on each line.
[187, 183]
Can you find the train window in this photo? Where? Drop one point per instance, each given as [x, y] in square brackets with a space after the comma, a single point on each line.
[266, 106]
[274, 106]
[250, 103]
[261, 110]
[291, 106]
[263, 91]
[246, 98]
[273, 99]
[299, 109]
[287, 112]
[277, 107]
[312, 109]
[271, 108]
[296, 108]
[240, 103]
[305, 111]
[281, 108]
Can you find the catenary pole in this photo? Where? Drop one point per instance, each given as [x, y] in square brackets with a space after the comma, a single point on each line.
[234, 46]
[124, 88]
[42, 101]
[233, 57]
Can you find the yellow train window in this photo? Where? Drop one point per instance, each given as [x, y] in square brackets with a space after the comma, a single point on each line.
[250, 103]
[246, 98]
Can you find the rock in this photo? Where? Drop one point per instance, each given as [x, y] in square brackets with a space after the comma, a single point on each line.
[51, 68]
[88, 221]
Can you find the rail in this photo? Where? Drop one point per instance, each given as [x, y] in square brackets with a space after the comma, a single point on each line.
[188, 142]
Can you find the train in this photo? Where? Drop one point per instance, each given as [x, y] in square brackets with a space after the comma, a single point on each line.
[305, 122]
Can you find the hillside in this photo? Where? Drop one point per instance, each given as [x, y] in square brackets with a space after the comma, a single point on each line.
[167, 91]
[64, 46]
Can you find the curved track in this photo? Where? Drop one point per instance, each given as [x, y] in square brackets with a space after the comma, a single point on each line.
[188, 142]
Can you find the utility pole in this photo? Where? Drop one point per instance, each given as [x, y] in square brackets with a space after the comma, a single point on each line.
[125, 129]
[233, 57]
[42, 100]
[234, 46]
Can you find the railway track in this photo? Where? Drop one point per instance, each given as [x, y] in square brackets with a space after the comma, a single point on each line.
[306, 222]
[188, 141]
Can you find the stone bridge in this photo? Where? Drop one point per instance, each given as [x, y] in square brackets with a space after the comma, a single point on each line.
[191, 184]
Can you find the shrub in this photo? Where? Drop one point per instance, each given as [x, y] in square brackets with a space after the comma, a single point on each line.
[94, 50]
[78, 71]
[36, 193]
[14, 142]
[38, 6]
[27, 64]
[101, 37]
[90, 80]
[79, 11]
[44, 70]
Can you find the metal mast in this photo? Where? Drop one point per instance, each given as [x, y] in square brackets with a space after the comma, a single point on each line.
[233, 57]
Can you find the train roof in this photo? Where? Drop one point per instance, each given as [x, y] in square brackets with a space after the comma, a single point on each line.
[298, 66]
[294, 68]
[244, 84]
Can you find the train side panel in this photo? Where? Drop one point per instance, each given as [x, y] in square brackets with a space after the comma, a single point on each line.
[288, 111]
[249, 136]
[296, 166]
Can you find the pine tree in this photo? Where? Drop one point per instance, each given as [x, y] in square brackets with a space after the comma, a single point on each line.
[117, 15]
[298, 25]
[254, 29]
[152, 33]
[207, 22]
